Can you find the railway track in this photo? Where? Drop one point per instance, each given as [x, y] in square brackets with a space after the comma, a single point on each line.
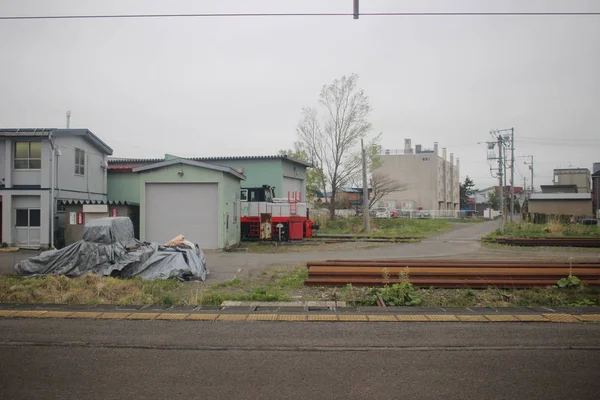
[553, 242]
[448, 273]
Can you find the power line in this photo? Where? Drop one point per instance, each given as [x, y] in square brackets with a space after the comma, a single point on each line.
[559, 139]
[373, 14]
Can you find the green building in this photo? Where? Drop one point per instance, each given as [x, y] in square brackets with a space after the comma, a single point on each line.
[198, 197]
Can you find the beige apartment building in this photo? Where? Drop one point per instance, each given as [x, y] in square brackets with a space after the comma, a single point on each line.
[430, 180]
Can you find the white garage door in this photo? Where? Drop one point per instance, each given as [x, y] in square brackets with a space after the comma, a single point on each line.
[190, 209]
[291, 184]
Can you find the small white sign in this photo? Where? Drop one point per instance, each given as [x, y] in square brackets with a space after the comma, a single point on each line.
[95, 208]
[73, 218]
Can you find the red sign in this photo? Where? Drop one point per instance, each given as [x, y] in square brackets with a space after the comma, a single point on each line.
[114, 212]
[80, 218]
[420, 208]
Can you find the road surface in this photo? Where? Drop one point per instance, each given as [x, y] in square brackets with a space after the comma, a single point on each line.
[92, 359]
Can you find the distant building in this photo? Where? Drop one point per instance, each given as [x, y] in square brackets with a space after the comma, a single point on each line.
[559, 188]
[350, 198]
[573, 176]
[596, 189]
[429, 180]
[576, 204]
[569, 195]
[481, 198]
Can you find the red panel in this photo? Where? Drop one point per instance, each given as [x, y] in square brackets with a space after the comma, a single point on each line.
[296, 230]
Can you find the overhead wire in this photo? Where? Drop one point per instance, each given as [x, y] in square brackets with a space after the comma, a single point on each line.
[332, 14]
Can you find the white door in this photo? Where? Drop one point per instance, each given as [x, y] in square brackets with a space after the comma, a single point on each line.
[28, 221]
[292, 184]
[190, 209]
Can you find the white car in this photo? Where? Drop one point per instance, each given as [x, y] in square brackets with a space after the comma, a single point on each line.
[382, 212]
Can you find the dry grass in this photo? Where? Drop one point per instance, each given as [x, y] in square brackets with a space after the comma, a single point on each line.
[554, 227]
[273, 284]
[89, 289]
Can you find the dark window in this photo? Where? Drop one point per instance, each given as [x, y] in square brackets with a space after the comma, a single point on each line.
[79, 162]
[22, 217]
[34, 218]
[28, 155]
[28, 218]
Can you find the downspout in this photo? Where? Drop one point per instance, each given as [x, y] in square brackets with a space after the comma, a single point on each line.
[52, 180]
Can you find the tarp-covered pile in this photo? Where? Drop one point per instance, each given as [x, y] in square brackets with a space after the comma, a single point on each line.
[109, 248]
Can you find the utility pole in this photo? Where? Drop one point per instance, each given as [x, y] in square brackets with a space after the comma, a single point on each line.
[512, 173]
[500, 175]
[531, 168]
[355, 11]
[530, 163]
[68, 118]
[505, 206]
[365, 189]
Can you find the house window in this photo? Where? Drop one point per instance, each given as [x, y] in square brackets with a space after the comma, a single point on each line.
[244, 195]
[79, 162]
[28, 218]
[28, 155]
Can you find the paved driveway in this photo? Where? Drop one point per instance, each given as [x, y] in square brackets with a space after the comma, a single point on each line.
[461, 241]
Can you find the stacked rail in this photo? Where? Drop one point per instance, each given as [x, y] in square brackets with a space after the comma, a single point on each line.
[449, 273]
[554, 242]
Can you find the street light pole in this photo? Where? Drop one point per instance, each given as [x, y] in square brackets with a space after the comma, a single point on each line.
[365, 189]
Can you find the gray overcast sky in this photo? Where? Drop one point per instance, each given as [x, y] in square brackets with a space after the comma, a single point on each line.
[235, 86]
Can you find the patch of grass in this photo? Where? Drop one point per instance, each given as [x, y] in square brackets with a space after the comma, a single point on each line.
[467, 220]
[551, 229]
[232, 283]
[398, 227]
[490, 297]
[308, 246]
[272, 284]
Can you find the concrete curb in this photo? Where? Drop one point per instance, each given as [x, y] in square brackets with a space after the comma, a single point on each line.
[301, 317]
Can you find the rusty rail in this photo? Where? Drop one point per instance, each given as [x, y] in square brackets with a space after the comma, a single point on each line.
[448, 273]
[553, 242]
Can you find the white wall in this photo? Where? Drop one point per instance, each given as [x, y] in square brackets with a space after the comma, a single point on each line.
[2, 161]
[94, 179]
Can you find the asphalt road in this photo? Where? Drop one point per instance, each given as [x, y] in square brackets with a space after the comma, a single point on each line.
[91, 359]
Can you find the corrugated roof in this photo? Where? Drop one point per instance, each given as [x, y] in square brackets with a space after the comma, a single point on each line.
[45, 132]
[268, 157]
[138, 161]
[122, 167]
[561, 196]
[27, 132]
[115, 160]
[174, 161]
[111, 203]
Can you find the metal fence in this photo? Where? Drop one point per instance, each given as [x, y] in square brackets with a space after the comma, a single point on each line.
[437, 214]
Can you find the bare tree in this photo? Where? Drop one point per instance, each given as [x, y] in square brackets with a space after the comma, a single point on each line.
[382, 185]
[331, 140]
